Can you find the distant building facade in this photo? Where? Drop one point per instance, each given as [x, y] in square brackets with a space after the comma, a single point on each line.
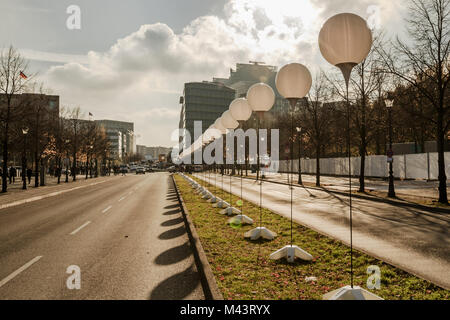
[121, 137]
[247, 74]
[152, 153]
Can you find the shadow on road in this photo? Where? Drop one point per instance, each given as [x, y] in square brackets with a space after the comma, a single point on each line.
[173, 222]
[171, 212]
[173, 233]
[178, 286]
[172, 206]
[174, 255]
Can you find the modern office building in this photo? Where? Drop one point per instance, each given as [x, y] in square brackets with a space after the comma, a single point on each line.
[203, 101]
[247, 74]
[121, 137]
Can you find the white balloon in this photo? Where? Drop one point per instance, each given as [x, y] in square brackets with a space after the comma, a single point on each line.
[228, 121]
[345, 38]
[261, 97]
[293, 81]
[240, 109]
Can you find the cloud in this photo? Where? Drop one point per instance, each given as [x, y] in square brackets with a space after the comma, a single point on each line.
[53, 57]
[142, 74]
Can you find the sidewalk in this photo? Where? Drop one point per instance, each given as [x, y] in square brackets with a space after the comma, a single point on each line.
[15, 192]
[418, 192]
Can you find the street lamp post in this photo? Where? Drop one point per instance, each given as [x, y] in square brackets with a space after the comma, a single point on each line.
[390, 155]
[24, 158]
[299, 132]
[345, 41]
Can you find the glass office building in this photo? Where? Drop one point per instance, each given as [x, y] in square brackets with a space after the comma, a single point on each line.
[203, 101]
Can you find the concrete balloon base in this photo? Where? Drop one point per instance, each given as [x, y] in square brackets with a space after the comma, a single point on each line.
[260, 232]
[230, 211]
[349, 293]
[207, 196]
[290, 253]
[241, 220]
[221, 204]
[213, 199]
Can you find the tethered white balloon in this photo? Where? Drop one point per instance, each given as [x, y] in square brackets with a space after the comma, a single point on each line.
[345, 40]
[240, 109]
[293, 82]
[261, 98]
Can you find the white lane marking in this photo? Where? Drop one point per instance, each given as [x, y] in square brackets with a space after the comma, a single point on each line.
[18, 271]
[123, 198]
[107, 209]
[56, 193]
[76, 230]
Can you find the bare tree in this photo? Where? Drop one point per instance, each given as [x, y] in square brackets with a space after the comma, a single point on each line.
[316, 118]
[12, 82]
[75, 118]
[425, 66]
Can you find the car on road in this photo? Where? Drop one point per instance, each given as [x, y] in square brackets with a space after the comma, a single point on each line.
[172, 169]
[140, 170]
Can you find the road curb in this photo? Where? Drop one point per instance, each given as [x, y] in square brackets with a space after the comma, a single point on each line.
[360, 196]
[209, 284]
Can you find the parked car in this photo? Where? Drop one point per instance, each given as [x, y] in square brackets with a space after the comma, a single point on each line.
[140, 170]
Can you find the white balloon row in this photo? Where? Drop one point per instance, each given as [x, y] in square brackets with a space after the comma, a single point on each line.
[345, 40]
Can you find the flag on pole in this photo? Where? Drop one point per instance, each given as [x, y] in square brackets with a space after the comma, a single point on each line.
[22, 75]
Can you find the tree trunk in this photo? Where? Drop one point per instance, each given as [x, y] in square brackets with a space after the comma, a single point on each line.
[318, 166]
[42, 172]
[5, 165]
[36, 170]
[441, 160]
[5, 149]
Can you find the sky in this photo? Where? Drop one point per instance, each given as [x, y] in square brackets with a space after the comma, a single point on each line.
[129, 59]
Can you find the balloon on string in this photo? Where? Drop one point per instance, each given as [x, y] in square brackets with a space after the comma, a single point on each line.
[240, 109]
[345, 38]
[228, 121]
[260, 97]
[293, 81]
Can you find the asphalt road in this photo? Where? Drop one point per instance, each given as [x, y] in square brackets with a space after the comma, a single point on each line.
[414, 240]
[127, 237]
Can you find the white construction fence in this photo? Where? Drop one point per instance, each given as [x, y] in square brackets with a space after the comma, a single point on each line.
[410, 166]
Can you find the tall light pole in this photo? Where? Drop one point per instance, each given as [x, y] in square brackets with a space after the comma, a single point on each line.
[345, 41]
[241, 111]
[261, 99]
[229, 123]
[293, 81]
[390, 154]
[299, 133]
[220, 131]
[24, 158]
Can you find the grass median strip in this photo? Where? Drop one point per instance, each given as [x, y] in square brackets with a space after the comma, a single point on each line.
[243, 270]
